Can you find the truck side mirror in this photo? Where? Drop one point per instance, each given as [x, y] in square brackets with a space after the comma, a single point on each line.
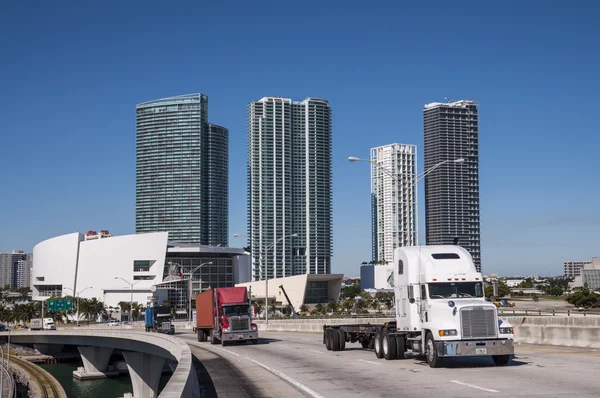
[411, 300]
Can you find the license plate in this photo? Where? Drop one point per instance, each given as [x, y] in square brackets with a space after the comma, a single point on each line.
[480, 351]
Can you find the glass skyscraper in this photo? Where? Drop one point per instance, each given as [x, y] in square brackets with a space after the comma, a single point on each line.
[452, 191]
[289, 186]
[181, 171]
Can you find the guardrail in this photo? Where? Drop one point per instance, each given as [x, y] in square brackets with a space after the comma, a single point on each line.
[567, 312]
[7, 379]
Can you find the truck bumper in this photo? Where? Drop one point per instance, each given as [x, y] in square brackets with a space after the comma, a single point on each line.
[475, 348]
[239, 336]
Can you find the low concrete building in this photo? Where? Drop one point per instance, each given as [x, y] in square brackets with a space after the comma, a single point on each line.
[301, 289]
[590, 274]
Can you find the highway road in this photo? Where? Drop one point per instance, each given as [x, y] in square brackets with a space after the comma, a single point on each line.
[298, 365]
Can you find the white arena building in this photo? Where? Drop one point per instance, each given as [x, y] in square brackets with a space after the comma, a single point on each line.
[94, 267]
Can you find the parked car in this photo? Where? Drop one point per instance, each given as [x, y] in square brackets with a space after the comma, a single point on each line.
[113, 322]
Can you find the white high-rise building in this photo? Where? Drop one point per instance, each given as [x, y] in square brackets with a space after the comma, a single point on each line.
[289, 187]
[393, 199]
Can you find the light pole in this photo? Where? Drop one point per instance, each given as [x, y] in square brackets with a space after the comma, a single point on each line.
[78, 294]
[417, 178]
[272, 245]
[131, 300]
[189, 274]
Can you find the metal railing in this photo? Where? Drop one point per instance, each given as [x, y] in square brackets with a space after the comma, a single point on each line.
[6, 379]
[567, 312]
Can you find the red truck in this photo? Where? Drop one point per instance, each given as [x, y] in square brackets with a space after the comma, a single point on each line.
[224, 315]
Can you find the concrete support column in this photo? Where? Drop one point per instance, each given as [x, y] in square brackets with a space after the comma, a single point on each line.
[145, 371]
[95, 362]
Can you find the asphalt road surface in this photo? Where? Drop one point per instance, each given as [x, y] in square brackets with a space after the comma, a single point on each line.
[298, 365]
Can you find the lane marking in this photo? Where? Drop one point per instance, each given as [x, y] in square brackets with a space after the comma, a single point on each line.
[372, 362]
[318, 352]
[287, 378]
[473, 386]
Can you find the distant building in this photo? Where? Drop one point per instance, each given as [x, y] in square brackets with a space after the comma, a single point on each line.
[393, 199]
[590, 274]
[15, 269]
[289, 187]
[378, 277]
[573, 269]
[91, 235]
[451, 132]
[181, 171]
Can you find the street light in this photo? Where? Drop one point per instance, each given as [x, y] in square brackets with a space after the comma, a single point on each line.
[417, 178]
[78, 294]
[189, 274]
[131, 300]
[272, 245]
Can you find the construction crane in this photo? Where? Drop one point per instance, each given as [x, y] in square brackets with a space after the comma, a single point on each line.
[294, 314]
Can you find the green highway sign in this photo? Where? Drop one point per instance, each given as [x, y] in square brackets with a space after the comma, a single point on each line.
[60, 305]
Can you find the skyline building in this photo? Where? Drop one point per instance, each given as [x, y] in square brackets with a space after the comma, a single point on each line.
[181, 171]
[15, 269]
[451, 131]
[393, 199]
[289, 187]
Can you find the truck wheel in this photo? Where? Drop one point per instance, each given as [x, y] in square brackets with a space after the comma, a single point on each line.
[365, 343]
[501, 360]
[328, 339]
[213, 338]
[378, 344]
[200, 335]
[342, 338]
[335, 340]
[400, 347]
[431, 354]
[389, 346]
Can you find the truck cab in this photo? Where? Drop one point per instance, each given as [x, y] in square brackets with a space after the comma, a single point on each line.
[441, 306]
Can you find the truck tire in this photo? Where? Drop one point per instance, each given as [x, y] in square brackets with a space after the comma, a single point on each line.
[501, 360]
[328, 339]
[201, 335]
[389, 346]
[377, 344]
[431, 354]
[213, 338]
[335, 340]
[400, 346]
[342, 337]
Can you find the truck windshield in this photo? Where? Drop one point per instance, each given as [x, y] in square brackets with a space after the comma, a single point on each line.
[236, 310]
[455, 290]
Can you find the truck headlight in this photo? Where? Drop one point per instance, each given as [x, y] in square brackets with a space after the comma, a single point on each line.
[507, 331]
[254, 327]
[226, 329]
[447, 332]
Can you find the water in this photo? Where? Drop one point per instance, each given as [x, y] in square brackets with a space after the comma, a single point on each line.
[100, 388]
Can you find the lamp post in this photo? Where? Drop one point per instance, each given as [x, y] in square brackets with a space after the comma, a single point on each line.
[272, 245]
[417, 177]
[189, 275]
[78, 294]
[131, 300]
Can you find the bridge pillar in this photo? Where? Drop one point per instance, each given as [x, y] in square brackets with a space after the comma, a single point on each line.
[95, 362]
[145, 371]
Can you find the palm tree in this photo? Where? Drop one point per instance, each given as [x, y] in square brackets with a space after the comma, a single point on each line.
[272, 307]
[376, 305]
[347, 305]
[304, 308]
[135, 312]
[333, 306]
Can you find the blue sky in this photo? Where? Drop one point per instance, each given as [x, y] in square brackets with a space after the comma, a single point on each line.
[72, 72]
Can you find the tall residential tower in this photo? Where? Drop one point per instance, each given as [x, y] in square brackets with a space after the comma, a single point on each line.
[452, 191]
[289, 186]
[393, 199]
[181, 171]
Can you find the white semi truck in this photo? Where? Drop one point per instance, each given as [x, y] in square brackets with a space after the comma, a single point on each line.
[441, 312]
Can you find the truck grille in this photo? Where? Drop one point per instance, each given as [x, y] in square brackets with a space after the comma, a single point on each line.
[478, 322]
[239, 324]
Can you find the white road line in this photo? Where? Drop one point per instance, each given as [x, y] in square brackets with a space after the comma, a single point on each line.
[318, 352]
[230, 352]
[473, 386]
[287, 378]
[371, 362]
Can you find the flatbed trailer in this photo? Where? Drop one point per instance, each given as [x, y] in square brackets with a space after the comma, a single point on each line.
[369, 336]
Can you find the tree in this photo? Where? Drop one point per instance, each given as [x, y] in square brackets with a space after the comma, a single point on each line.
[376, 305]
[304, 308]
[348, 305]
[555, 291]
[333, 306]
[584, 298]
[503, 289]
[272, 307]
[350, 292]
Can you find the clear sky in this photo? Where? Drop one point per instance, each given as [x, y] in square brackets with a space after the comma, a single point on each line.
[71, 73]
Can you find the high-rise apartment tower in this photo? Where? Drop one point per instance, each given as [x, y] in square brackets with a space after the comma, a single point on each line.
[289, 186]
[451, 132]
[181, 171]
[393, 199]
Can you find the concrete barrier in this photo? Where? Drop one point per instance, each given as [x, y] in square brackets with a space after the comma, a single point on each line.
[556, 330]
[564, 331]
